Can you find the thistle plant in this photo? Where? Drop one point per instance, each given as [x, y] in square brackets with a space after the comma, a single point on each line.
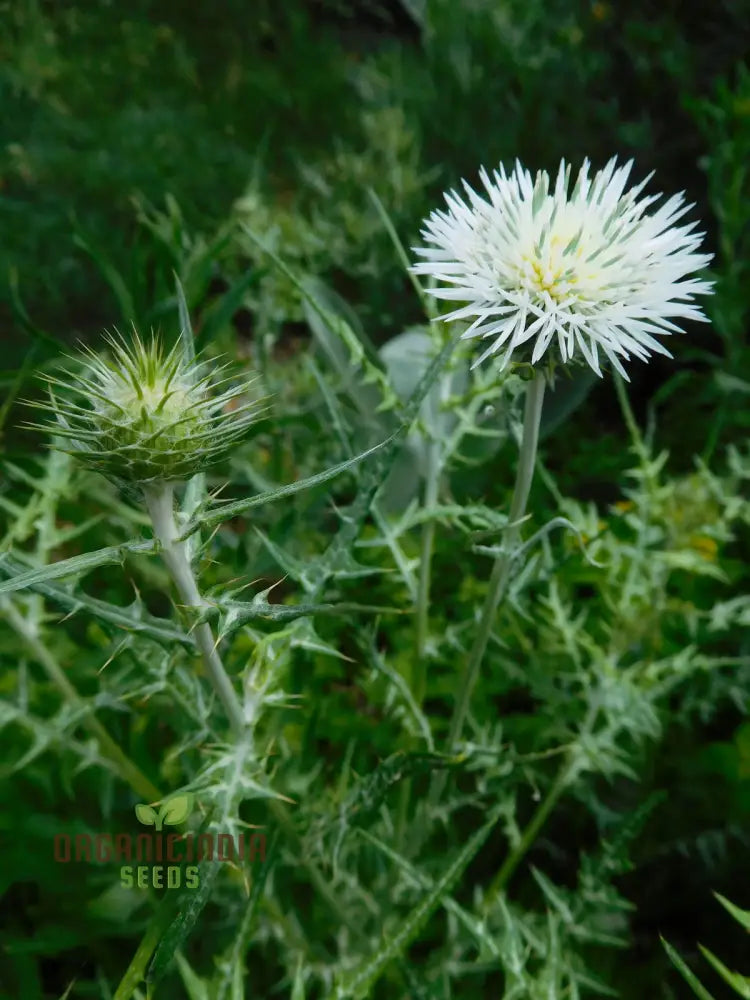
[591, 671]
[551, 278]
[152, 418]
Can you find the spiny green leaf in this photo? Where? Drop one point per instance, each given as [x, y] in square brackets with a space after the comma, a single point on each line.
[192, 903]
[234, 614]
[132, 618]
[741, 916]
[225, 511]
[368, 793]
[554, 896]
[374, 476]
[341, 429]
[690, 978]
[76, 565]
[474, 925]
[358, 984]
[48, 733]
[739, 983]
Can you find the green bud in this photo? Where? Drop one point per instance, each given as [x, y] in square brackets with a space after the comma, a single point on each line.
[140, 414]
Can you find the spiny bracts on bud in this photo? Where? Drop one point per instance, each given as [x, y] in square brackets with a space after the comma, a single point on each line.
[144, 415]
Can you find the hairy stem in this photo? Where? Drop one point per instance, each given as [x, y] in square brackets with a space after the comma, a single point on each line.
[500, 571]
[160, 504]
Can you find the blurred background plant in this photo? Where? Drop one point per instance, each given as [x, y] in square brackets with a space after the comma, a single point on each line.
[740, 984]
[268, 156]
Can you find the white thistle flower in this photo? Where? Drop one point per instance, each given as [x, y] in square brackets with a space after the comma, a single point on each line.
[144, 415]
[592, 269]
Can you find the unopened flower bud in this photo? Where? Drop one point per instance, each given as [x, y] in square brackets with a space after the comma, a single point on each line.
[141, 414]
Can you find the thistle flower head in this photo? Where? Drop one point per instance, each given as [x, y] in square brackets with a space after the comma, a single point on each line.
[141, 414]
[589, 271]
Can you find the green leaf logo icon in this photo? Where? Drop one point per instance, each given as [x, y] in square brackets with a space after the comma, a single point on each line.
[176, 810]
[146, 814]
[172, 812]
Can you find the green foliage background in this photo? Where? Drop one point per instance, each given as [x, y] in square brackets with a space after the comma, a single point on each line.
[153, 138]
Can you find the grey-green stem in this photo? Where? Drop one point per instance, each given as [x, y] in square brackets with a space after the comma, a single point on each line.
[160, 505]
[500, 572]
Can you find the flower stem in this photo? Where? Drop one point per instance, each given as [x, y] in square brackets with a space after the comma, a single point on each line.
[531, 831]
[630, 421]
[160, 504]
[500, 571]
